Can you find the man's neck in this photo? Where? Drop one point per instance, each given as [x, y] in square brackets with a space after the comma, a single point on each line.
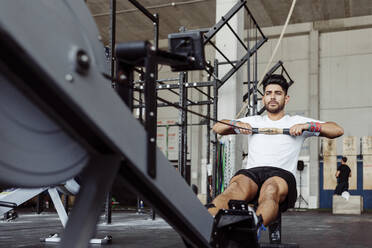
[275, 116]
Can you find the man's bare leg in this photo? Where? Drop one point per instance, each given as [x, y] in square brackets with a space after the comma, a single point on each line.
[273, 191]
[241, 187]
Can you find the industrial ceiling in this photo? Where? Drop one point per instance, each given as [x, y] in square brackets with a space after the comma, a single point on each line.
[131, 24]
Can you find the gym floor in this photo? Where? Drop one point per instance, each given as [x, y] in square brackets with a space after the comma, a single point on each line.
[131, 230]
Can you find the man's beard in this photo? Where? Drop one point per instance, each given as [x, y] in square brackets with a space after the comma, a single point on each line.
[275, 110]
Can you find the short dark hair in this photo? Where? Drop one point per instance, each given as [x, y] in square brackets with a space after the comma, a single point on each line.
[344, 159]
[276, 79]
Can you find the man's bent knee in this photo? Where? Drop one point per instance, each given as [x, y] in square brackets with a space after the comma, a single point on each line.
[242, 187]
[270, 192]
[275, 189]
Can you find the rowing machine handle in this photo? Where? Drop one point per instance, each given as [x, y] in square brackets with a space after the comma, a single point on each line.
[270, 131]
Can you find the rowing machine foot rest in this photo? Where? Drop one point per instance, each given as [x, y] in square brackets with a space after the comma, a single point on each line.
[234, 228]
[275, 233]
[275, 230]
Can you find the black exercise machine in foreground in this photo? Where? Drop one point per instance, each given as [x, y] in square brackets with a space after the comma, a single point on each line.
[60, 117]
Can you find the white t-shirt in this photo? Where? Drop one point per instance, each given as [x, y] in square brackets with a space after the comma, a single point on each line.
[278, 150]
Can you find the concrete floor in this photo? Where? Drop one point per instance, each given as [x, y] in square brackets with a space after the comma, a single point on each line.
[309, 229]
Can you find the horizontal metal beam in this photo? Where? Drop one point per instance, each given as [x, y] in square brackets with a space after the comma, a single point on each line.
[161, 105]
[187, 104]
[177, 86]
[159, 80]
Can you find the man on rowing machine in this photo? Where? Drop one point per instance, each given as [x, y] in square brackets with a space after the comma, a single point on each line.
[269, 174]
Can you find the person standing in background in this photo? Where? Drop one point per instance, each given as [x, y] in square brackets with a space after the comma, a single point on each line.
[343, 173]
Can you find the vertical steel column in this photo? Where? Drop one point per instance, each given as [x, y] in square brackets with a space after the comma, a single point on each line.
[249, 70]
[167, 141]
[181, 76]
[208, 157]
[255, 81]
[140, 114]
[208, 128]
[156, 44]
[187, 165]
[185, 170]
[151, 111]
[156, 31]
[140, 118]
[113, 67]
[182, 131]
[113, 38]
[215, 102]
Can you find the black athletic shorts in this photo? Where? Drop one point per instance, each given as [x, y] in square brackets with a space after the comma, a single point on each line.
[260, 174]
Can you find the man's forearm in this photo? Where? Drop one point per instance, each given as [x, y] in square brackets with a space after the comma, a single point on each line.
[331, 130]
[223, 129]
